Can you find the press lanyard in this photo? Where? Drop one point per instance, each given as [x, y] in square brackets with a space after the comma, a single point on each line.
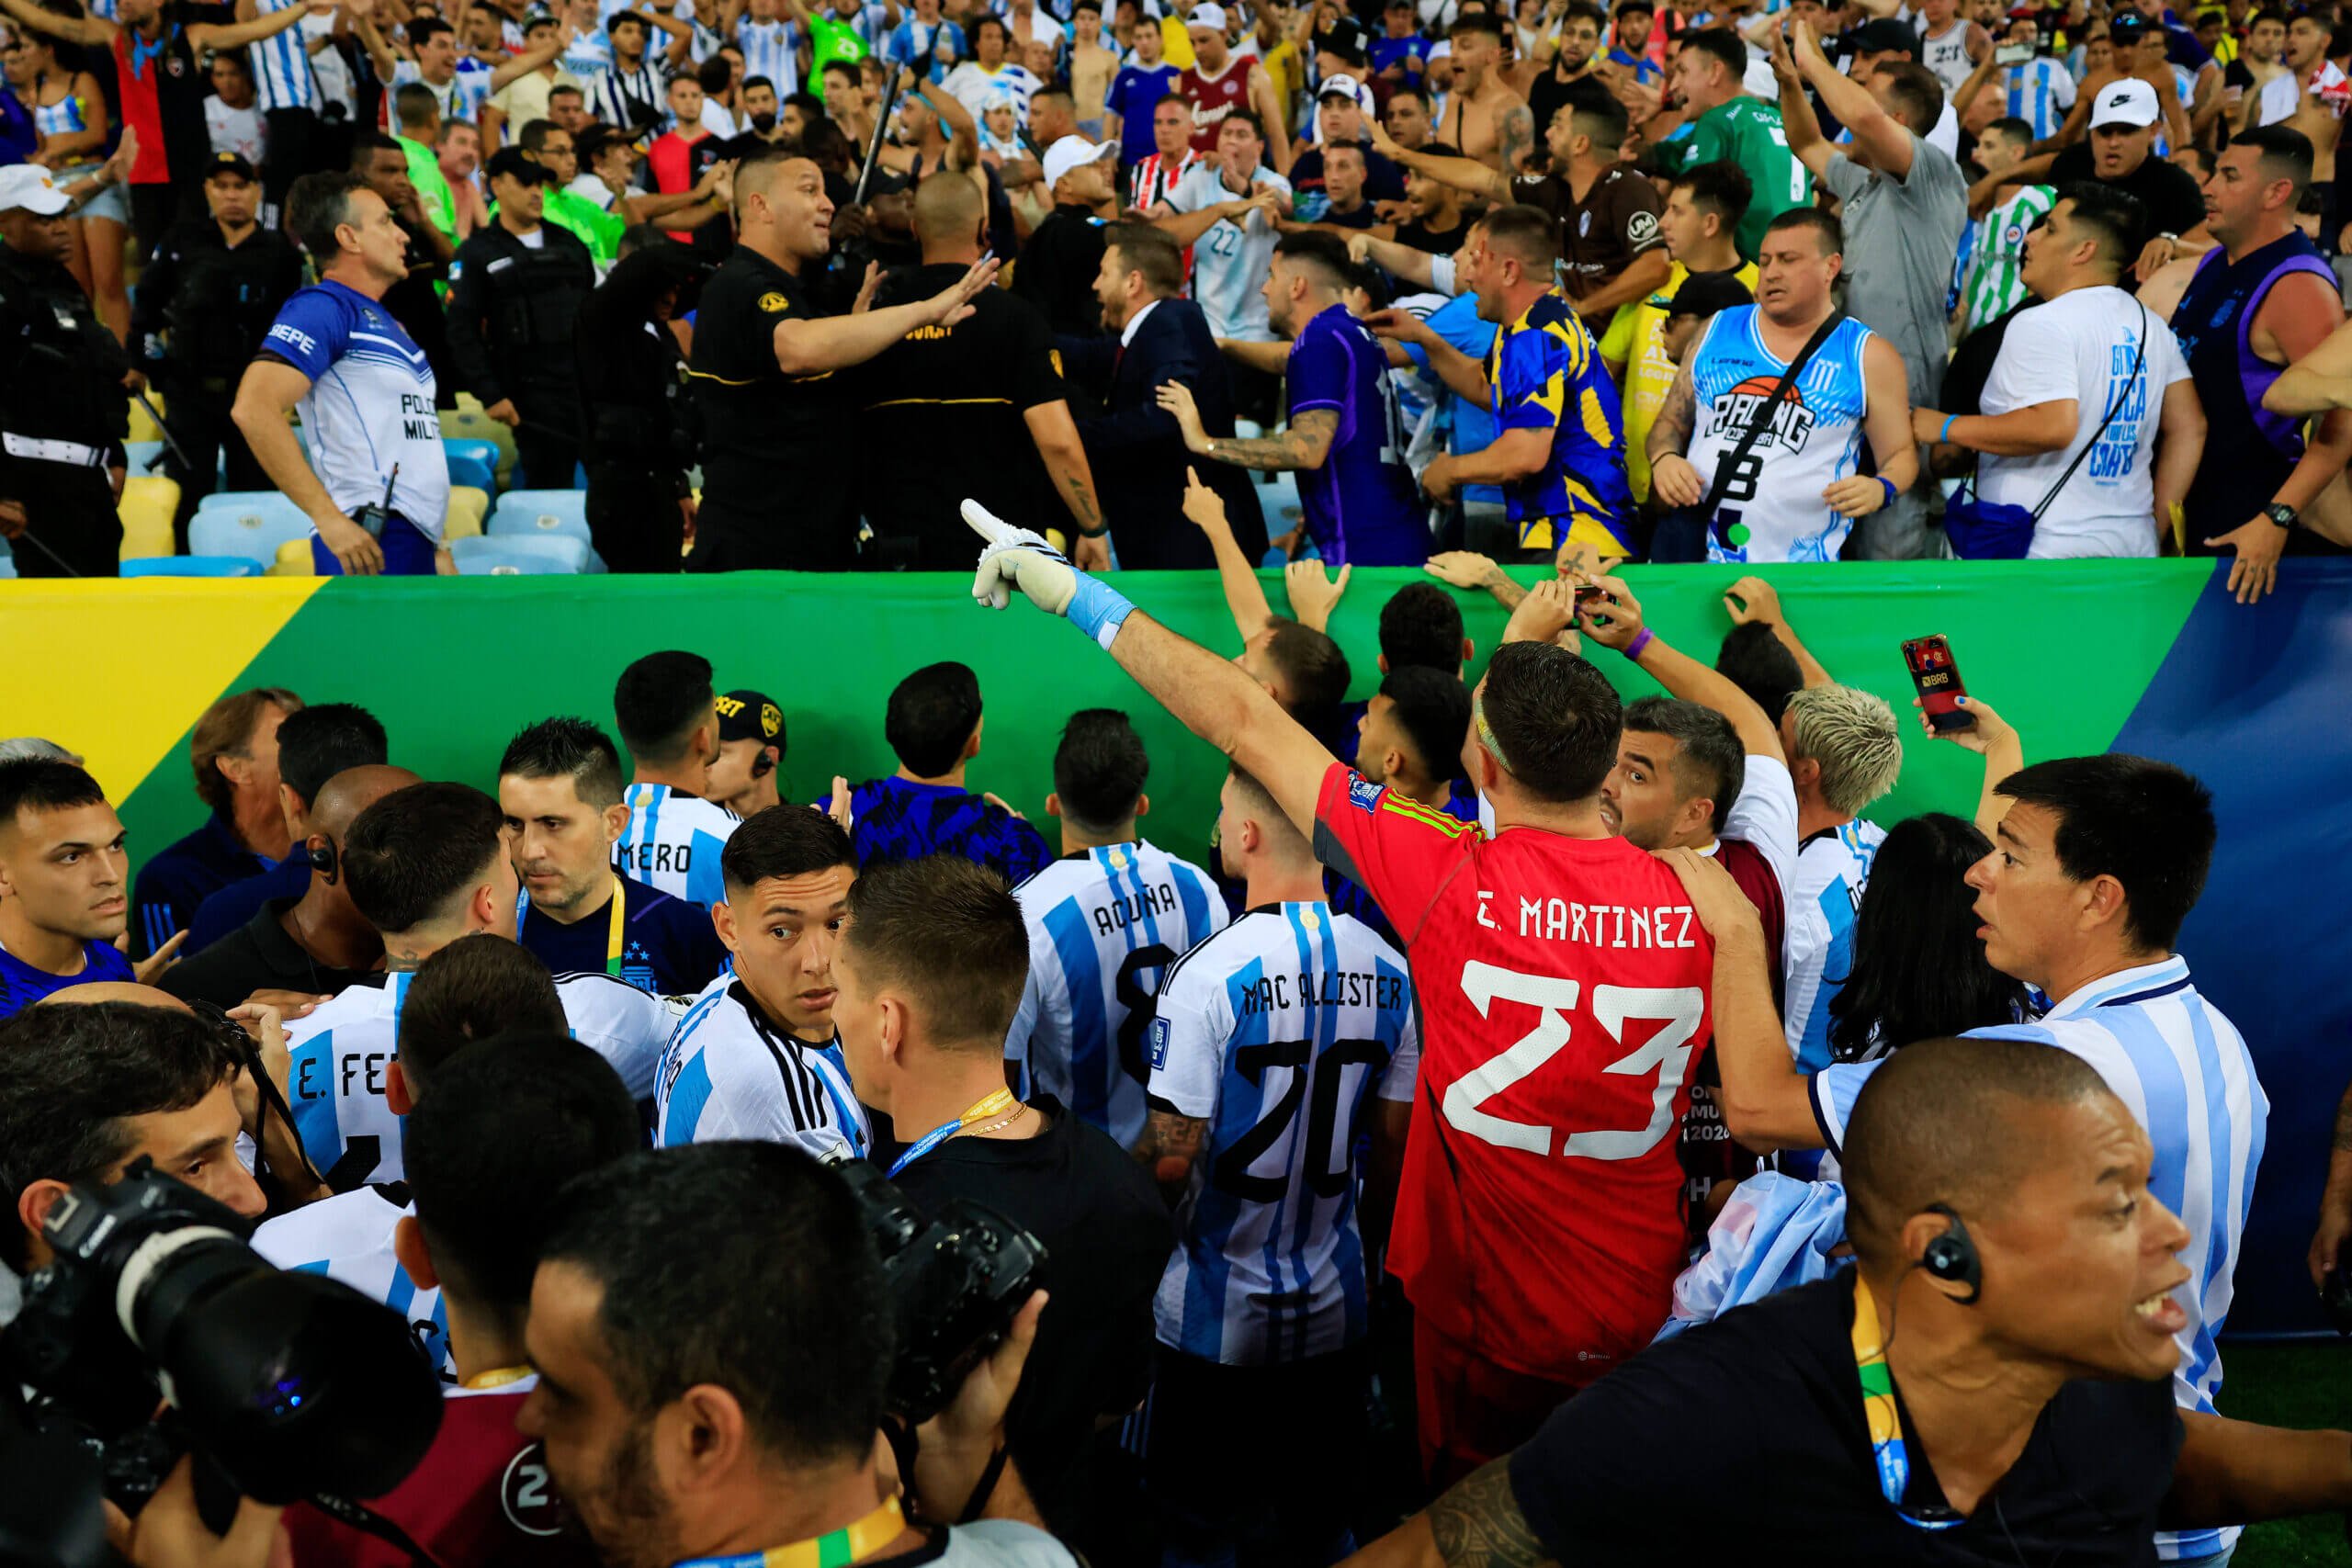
[995, 1104]
[837, 1548]
[613, 923]
[1878, 1407]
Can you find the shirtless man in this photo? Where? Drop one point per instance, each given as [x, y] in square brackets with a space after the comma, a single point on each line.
[1483, 116]
[2320, 94]
[936, 131]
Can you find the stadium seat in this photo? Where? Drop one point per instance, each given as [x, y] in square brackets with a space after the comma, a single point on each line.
[193, 566]
[468, 507]
[472, 461]
[526, 555]
[248, 522]
[146, 508]
[467, 423]
[1247, 429]
[559, 552]
[141, 453]
[7, 562]
[294, 559]
[142, 428]
[545, 514]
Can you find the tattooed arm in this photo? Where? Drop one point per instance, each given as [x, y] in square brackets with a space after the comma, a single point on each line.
[1672, 479]
[1056, 436]
[1476, 1525]
[1304, 444]
[1169, 1144]
[1514, 136]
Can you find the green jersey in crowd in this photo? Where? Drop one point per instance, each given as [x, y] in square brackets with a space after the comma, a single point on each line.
[1747, 131]
[1993, 284]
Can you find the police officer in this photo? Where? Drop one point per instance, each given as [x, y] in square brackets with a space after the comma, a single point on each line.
[514, 294]
[640, 416]
[62, 399]
[203, 304]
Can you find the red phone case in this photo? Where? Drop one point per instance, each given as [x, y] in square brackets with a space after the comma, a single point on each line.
[1936, 676]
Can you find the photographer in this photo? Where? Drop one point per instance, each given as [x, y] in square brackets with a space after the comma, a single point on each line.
[508, 1124]
[931, 970]
[86, 1090]
[712, 1335]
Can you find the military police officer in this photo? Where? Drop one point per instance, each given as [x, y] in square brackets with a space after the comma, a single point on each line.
[203, 305]
[514, 294]
[62, 398]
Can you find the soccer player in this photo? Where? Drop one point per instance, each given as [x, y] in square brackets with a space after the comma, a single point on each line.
[934, 725]
[509, 1125]
[2093, 869]
[559, 788]
[427, 865]
[751, 753]
[1106, 921]
[1844, 752]
[1268, 1043]
[64, 884]
[756, 1056]
[478, 988]
[1562, 982]
[668, 717]
[1344, 433]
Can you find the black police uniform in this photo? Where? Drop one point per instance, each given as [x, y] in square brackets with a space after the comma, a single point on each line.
[638, 415]
[201, 310]
[778, 456]
[512, 309]
[61, 407]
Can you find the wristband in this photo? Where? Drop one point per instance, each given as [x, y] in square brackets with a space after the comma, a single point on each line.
[1943, 436]
[1642, 639]
[1890, 490]
[1098, 609]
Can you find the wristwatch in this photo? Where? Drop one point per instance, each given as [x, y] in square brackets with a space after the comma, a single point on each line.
[2279, 512]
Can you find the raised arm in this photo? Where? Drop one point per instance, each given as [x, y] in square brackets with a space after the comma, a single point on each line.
[1462, 174]
[371, 38]
[1401, 261]
[1753, 599]
[523, 65]
[1965, 93]
[1767, 1103]
[1210, 697]
[1615, 621]
[94, 31]
[1269, 106]
[1462, 375]
[808, 345]
[1186, 227]
[1992, 737]
[203, 36]
[1889, 144]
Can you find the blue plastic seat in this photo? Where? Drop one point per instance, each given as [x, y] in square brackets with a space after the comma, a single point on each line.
[533, 555]
[472, 462]
[192, 566]
[249, 523]
[544, 514]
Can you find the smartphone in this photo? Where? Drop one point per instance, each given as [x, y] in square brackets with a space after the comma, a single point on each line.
[1938, 680]
[2013, 54]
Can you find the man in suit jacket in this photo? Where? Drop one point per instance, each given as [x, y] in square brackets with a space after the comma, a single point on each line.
[1135, 449]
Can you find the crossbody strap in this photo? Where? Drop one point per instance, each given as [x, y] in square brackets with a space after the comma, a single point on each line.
[1729, 465]
[2139, 362]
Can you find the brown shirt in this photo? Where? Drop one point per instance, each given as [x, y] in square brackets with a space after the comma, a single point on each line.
[1600, 235]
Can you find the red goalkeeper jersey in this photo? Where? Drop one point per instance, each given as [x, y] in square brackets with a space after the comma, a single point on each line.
[1563, 987]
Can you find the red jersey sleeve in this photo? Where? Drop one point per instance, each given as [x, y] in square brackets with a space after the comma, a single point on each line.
[1395, 849]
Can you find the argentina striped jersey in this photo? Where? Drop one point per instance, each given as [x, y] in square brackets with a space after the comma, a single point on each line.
[1274, 1032]
[672, 842]
[338, 1057]
[2185, 1074]
[281, 64]
[1818, 954]
[1103, 925]
[771, 50]
[349, 1239]
[729, 1073]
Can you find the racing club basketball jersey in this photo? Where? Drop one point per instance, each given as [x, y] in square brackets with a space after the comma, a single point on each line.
[1772, 508]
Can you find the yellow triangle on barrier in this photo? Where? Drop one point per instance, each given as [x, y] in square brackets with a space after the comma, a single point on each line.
[127, 666]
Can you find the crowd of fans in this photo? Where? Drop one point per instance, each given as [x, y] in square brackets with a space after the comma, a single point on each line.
[1758, 283]
[1517, 1089]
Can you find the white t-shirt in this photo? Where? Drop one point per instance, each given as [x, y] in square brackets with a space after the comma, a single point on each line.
[1229, 262]
[2083, 346]
[242, 131]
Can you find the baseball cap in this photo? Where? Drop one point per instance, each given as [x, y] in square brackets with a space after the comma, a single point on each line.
[750, 716]
[1343, 39]
[515, 164]
[1340, 87]
[1883, 35]
[1208, 14]
[1073, 153]
[2132, 103]
[1705, 293]
[32, 187]
[229, 163]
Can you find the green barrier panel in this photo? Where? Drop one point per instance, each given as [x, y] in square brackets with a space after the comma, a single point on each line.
[454, 666]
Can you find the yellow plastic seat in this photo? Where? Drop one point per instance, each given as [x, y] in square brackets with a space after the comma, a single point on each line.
[142, 427]
[468, 507]
[294, 559]
[146, 508]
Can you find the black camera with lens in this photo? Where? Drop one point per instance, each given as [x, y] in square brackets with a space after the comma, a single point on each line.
[285, 1385]
[957, 1282]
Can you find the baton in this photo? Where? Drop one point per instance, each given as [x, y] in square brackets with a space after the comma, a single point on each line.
[881, 127]
[27, 537]
[166, 431]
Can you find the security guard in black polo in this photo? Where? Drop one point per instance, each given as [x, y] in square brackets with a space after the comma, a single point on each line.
[514, 294]
[202, 306]
[63, 402]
